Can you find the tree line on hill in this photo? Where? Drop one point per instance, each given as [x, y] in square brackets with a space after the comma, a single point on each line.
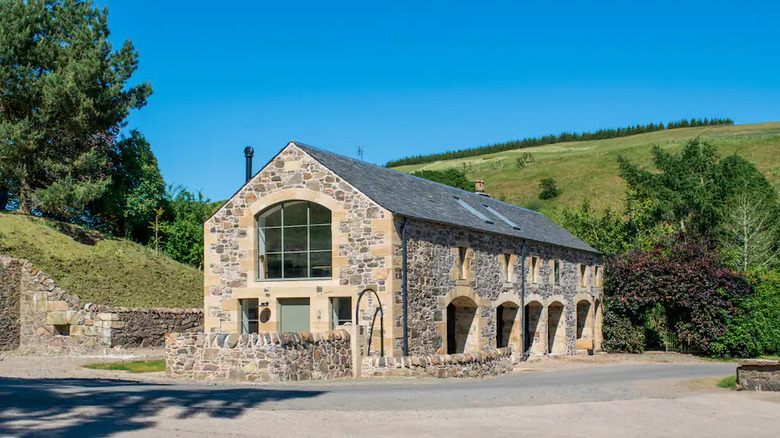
[64, 152]
[601, 134]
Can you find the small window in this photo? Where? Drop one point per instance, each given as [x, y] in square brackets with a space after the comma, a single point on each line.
[507, 267]
[62, 329]
[462, 265]
[557, 272]
[533, 269]
[249, 315]
[341, 312]
[597, 275]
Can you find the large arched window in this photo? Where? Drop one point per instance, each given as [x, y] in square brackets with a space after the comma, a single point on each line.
[294, 241]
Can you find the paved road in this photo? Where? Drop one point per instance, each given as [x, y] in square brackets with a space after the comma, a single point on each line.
[89, 407]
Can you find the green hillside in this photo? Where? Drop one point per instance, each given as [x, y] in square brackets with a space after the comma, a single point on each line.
[99, 268]
[589, 169]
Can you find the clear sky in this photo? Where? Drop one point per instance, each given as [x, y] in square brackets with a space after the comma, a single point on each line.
[405, 78]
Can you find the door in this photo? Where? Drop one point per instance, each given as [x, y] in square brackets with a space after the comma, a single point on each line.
[294, 315]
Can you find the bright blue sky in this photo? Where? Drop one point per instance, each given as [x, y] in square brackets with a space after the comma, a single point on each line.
[404, 78]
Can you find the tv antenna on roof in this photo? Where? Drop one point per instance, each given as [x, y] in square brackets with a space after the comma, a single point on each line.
[360, 152]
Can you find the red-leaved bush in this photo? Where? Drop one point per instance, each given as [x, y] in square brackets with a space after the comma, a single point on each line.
[699, 296]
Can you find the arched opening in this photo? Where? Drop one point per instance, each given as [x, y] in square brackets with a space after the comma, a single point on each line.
[584, 320]
[533, 341]
[506, 315]
[556, 329]
[462, 328]
[294, 241]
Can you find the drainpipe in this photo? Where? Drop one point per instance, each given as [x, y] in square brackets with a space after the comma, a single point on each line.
[523, 326]
[404, 291]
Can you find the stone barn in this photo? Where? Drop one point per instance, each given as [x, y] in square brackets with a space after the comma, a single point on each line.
[448, 271]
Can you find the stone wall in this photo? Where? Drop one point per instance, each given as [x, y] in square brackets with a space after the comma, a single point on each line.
[266, 357]
[486, 363]
[49, 320]
[434, 281]
[10, 294]
[759, 375]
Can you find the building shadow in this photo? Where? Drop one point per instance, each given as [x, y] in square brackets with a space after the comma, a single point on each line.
[99, 407]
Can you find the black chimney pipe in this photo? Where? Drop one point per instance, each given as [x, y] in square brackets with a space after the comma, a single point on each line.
[249, 153]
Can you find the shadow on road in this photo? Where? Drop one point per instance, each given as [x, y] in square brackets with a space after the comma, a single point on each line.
[36, 407]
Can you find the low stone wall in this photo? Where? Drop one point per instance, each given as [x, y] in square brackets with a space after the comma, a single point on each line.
[10, 293]
[482, 364]
[267, 357]
[759, 375]
[49, 320]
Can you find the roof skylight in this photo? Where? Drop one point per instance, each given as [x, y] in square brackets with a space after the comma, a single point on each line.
[473, 211]
[502, 217]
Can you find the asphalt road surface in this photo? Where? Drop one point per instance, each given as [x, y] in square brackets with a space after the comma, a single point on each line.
[94, 407]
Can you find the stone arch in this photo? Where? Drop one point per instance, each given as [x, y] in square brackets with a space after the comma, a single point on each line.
[463, 326]
[507, 324]
[534, 342]
[556, 328]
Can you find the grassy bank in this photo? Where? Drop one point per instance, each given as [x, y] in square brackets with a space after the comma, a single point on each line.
[100, 269]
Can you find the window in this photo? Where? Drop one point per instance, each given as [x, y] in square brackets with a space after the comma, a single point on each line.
[533, 266]
[507, 267]
[249, 315]
[597, 275]
[62, 329]
[341, 309]
[294, 241]
[557, 272]
[583, 275]
[462, 265]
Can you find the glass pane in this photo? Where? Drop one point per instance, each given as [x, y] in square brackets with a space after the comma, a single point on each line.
[253, 327]
[295, 213]
[270, 240]
[320, 264]
[320, 237]
[319, 214]
[295, 239]
[344, 310]
[296, 265]
[272, 217]
[273, 266]
[252, 312]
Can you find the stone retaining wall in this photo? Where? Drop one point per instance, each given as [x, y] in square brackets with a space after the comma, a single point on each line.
[759, 375]
[483, 364]
[267, 357]
[49, 320]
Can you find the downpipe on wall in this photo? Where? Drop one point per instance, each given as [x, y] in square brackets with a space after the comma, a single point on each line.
[523, 325]
[404, 292]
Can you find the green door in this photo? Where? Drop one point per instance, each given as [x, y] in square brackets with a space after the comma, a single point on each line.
[294, 315]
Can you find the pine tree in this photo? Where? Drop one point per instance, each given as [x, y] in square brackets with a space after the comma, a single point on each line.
[65, 98]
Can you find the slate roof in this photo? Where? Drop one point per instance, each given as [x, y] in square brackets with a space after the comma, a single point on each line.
[410, 196]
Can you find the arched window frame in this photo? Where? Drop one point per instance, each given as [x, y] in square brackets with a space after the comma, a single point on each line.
[276, 264]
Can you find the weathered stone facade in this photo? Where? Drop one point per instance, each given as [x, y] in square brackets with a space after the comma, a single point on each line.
[467, 289]
[759, 375]
[361, 247]
[39, 316]
[435, 281]
[478, 364]
[265, 357]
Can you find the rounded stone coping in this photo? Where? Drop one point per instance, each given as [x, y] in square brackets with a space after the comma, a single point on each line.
[759, 362]
[436, 359]
[253, 340]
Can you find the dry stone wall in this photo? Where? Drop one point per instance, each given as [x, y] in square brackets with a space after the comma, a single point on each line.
[759, 375]
[10, 294]
[49, 320]
[492, 362]
[265, 357]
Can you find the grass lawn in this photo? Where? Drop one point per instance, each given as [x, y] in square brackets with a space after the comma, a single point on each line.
[728, 382]
[589, 169]
[100, 269]
[149, 366]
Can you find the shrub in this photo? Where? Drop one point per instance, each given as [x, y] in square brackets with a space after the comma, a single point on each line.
[756, 330]
[548, 189]
[621, 335]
